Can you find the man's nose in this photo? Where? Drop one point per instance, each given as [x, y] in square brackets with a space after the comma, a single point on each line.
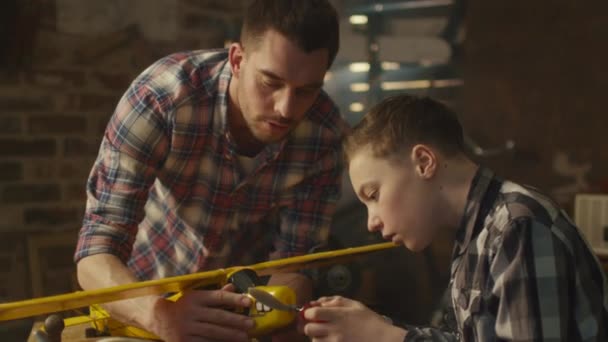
[284, 104]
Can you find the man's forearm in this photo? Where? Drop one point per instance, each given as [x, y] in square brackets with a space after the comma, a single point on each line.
[106, 270]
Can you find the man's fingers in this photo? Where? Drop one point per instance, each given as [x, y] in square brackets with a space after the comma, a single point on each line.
[228, 287]
[225, 318]
[222, 298]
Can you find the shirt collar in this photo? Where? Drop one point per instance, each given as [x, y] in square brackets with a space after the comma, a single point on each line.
[482, 195]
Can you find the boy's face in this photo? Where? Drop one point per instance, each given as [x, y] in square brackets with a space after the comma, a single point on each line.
[277, 83]
[400, 203]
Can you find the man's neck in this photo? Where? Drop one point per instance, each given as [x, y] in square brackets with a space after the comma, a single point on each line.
[246, 143]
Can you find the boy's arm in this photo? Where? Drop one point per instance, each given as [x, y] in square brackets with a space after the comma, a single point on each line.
[544, 281]
[428, 334]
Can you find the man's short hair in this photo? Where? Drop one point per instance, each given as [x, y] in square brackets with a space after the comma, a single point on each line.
[311, 24]
[399, 122]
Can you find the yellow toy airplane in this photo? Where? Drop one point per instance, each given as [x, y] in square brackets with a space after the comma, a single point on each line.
[242, 276]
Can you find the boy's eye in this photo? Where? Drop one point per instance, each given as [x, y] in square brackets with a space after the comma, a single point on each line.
[373, 195]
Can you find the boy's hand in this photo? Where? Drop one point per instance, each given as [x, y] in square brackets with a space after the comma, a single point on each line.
[201, 315]
[348, 320]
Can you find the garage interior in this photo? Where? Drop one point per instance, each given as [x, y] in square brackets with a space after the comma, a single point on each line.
[528, 80]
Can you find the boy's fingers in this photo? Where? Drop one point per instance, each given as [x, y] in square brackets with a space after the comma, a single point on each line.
[332, 301]
[324, 299]
[319, 314]
[316, 330]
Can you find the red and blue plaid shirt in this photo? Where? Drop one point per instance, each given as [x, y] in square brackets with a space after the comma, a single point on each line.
[167, 194]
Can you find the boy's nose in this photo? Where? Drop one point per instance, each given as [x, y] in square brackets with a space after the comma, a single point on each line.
[373, 223]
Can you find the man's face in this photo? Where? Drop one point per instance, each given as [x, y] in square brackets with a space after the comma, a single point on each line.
[399, 203]
[277, 83]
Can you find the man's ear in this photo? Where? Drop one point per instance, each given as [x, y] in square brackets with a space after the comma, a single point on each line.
[424, 160]
[236, 54]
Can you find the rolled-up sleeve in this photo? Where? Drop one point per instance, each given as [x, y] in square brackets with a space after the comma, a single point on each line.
[134, 146]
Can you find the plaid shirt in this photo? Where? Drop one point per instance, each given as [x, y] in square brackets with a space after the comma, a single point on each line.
[168, 196]
[521, 271]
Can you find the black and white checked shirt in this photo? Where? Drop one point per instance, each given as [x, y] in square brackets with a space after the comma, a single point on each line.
[521, 271]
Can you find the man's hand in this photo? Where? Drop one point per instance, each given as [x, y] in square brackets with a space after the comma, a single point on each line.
[201, 316]
[348, 320]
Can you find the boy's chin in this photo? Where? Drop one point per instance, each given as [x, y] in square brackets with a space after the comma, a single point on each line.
[414, 246]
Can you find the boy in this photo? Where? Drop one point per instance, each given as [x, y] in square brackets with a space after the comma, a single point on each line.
[520, 269]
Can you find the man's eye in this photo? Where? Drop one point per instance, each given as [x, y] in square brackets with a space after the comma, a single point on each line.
[271, 84]
[373, 196]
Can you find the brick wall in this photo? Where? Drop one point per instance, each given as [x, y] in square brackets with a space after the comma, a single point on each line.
[57, 91]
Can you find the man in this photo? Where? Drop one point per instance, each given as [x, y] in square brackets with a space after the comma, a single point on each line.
[217, 158]
[520, 269]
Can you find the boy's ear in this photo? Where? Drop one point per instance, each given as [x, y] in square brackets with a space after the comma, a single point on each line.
[424, 161]
[236, 55]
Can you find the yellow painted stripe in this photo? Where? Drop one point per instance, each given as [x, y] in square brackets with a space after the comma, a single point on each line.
[79, 299]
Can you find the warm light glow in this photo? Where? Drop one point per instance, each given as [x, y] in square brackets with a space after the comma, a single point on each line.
[447, 83]
[356, 107]
[358, 67]
[359, 87]
[421, 84]
[390, 66]
[400, 85]
[358, 19]
[364, 66]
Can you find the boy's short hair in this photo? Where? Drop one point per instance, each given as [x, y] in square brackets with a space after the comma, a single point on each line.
[399, 122]
[311, 24]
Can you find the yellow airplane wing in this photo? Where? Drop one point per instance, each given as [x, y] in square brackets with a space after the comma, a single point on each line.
[79, 299]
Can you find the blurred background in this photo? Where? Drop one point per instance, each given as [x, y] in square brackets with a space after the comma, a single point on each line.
[528, 79]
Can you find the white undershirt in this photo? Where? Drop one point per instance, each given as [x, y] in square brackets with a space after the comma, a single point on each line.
[247, 164]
